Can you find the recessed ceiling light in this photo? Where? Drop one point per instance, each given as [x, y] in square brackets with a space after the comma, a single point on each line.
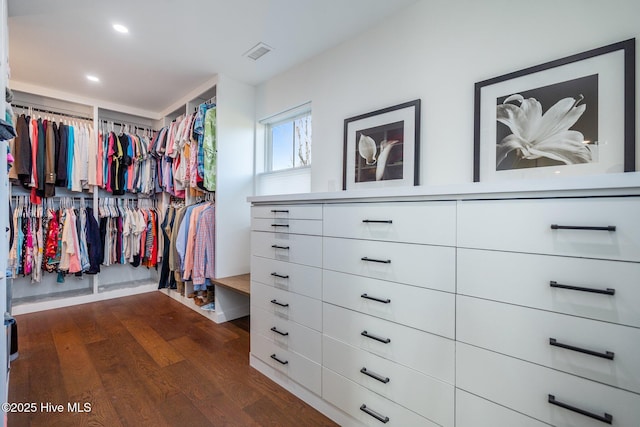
[120, 28]
[92, 78]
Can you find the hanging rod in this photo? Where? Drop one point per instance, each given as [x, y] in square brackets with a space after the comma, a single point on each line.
[56, 113]
[139, 126]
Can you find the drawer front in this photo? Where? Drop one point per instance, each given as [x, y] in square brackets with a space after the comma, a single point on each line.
[430, 354]
[355, 400]
[525, 387]
[287, 276]
[425, 309]
[431, 267]
[287, 211]
[525, 333]
[510, 277]
[473, 411]
[295, 248]
[525, 226]
[287, 305]
[415, 222]
[298, 368]
[286, 334]
[420, 393]
[295, 226]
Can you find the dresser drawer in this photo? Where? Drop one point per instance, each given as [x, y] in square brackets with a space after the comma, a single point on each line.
[297, 278]
[294, 226]
[525, 387]
[296, 248]
[525, 279]
[473, 411]
[420, 393]
[287, 334]
[415, 222]
[525, 333]
[431, 311]
[355, 400]
[431, 267]
[287, 211]
[287, 305]
[430, 354]
[526, 226]
[298, 368]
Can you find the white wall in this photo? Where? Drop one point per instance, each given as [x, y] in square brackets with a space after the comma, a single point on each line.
[436, 50]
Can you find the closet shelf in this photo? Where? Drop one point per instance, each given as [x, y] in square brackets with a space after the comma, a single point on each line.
[240, 283]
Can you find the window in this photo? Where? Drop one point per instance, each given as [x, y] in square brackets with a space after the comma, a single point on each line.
[288, 142]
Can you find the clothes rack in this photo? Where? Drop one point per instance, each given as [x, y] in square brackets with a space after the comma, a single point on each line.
[55, 113]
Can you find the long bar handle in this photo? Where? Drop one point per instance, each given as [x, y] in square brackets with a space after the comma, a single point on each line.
[279, 275]
[580, 227]
[374, 414]
[382, 261]
[377, 221]
[280, 225]
[284, 334]
[384, 301]
[607, 291]
[373, 337]
[279, 211]
[275, 301]
[606, 418]
[280, 247]
[375, 376]
[606, 355]
[282, 362]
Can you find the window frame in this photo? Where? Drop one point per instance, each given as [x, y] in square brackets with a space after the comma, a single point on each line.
[291, 116]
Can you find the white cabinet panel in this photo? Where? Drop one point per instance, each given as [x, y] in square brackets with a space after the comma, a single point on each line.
[525, 225]
[525, 333]
[298, 308]
[431, 311]
[525, 279]
[295, 226]
[414, 222]
[525, 387]
[473, 411]
[355, 400]
[431, 267]
[424, 352]
[287, 334]
[287, 276]
[295, 366]
[287, 211]
[431, 398]
[296, 248]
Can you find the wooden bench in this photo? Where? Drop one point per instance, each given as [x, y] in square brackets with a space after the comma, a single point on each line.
[240, 283]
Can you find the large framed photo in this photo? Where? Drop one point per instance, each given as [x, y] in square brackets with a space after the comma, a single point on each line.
[382, 148]
[573, 116]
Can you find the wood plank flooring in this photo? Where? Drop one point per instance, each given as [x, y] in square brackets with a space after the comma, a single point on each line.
[144, 360]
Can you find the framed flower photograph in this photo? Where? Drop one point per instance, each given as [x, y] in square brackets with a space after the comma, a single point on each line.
[382, 148]
[568, 117]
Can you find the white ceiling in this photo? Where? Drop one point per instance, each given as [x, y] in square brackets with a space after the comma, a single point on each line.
[173, 46]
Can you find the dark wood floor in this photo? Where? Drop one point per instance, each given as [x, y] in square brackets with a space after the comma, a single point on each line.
[144, 360]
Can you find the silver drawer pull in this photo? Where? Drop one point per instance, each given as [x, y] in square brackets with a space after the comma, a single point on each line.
[282, 362]
[374, 414]
[377, 221]
[275, 301]
[384, 301]
[373, 337]
[284, 334]
[382, 261]
[607, 291]
[580, 227]
[606, 355]
[606, 418]
[375, 376]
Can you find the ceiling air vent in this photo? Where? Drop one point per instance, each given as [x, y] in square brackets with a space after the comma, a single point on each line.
[258, 51]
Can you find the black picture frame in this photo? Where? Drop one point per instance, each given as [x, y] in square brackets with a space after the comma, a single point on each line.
[612, 67]
[382, 148]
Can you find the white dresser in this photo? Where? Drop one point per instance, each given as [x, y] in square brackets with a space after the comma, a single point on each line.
[471, 308]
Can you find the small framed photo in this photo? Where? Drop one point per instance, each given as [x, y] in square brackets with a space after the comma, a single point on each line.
[382, 148]
[568, 117]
